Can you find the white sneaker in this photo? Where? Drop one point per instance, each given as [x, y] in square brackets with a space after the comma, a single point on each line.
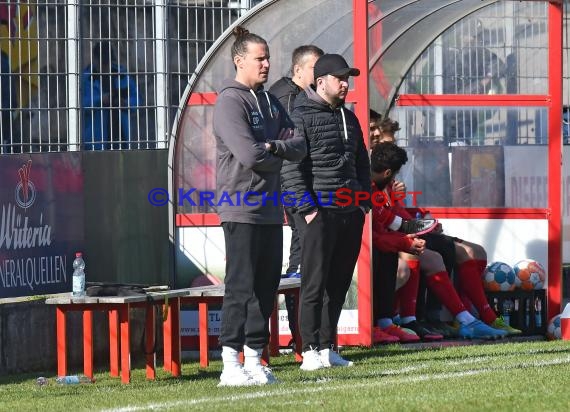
[311, 360]
[261, 375]
[235, 376]
[331, 358]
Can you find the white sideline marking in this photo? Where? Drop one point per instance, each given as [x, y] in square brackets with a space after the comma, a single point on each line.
[476, 359]
[367, 384]
[403, 370]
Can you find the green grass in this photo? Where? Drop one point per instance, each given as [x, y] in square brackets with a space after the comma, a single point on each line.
[527, 376]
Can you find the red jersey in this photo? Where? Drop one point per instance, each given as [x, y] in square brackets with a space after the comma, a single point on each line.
[383, 238]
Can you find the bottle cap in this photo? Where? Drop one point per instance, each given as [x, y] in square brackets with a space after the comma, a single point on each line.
[78, 254]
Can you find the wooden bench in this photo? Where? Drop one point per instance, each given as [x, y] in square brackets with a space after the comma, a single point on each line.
[206, 295]
[118, 309]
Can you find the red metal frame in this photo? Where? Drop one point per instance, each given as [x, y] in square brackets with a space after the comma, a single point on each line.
[467, 100]
[555, 28]
[361, 95]
[202, 99]
[485, 213]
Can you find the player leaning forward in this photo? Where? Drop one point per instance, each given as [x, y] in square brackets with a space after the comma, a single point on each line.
[336, 158]
[253, 134]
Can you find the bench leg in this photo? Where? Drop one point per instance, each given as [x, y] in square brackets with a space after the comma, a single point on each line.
[114, 342]
[88, 343]
[125, 343]
[176, 355]
[167, 336]
[274, 328]
[61, 341]
[150, 343]
[203, 334]
[265, 356]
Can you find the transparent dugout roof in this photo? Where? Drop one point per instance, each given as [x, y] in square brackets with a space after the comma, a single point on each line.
[401, 38]
[399, 30]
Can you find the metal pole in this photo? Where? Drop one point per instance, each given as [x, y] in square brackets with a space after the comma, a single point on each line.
[555, 73]
[161, 90]
[73, 72]
[361, 86]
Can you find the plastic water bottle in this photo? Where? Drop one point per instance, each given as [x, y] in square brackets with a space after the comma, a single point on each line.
[508, 306]
[42, 381]
[73, 380]
[78, 278]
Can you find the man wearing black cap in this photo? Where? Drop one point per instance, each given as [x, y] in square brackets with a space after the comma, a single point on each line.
[336, 159]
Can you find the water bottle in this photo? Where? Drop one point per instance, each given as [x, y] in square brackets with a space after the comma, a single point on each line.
[508, 306]
[73, 380]
[42, 381]
[78, 278]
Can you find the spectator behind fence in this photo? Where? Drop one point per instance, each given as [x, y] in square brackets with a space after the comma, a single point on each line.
[109, 101]
[8, 139]
[6, 104]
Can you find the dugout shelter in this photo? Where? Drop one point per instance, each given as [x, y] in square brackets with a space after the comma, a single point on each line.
[480, 89]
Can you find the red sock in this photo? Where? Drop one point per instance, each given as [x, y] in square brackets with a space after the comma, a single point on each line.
[466, 302]
[469, 276]
[441, 286]
[408, 294]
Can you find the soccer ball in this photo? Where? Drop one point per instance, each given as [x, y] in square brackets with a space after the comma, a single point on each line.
[529, 275]
[499, 277]
[553, 331]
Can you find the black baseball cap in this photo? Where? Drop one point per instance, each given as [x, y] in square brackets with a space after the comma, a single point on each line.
[335, 65]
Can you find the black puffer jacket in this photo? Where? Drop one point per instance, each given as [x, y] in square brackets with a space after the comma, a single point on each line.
[336, 157]
[286, 91]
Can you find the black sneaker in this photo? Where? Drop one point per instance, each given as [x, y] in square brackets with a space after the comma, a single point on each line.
[423, 332]
[417, 226]
[443, 328]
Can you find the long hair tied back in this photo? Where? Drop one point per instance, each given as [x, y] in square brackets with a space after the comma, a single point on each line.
[239, 31]
[243, 37]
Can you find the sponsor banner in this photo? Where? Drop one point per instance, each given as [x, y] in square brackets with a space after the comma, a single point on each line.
[347, 324]
[41, 222]
[526, 184]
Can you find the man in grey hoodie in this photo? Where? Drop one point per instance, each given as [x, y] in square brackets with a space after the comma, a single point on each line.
[253, 135]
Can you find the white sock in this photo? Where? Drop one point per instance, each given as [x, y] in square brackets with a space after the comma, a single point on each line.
[407, 319]
[230, 357]
[465, 317]
[252, 357]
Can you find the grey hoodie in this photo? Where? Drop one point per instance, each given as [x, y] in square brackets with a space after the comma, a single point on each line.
[244, 121]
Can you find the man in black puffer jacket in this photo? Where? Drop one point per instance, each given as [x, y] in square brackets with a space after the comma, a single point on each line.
[325, 185]
[286, 90]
